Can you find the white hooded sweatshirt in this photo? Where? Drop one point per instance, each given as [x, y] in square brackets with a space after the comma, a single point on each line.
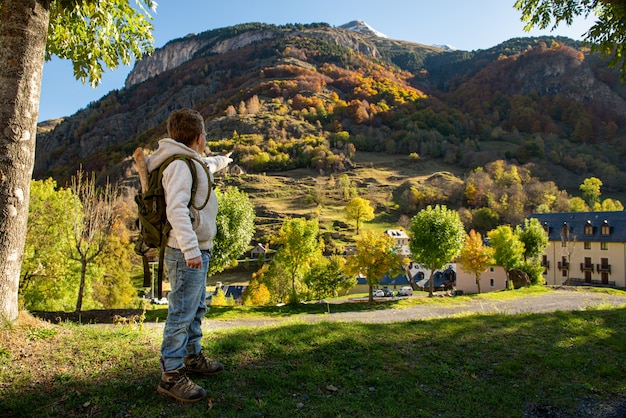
[192, 230]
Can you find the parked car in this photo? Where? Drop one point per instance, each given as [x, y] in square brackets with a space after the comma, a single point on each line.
[387, 292]
[378, 293]
[405, 291]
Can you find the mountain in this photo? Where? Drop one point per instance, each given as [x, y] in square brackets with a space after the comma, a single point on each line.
[308, 96]
[363, 28]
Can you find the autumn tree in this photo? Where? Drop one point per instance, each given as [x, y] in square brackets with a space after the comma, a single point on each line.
[298, 247]
[274, 276]
[113, 288]
[611, 205]
[436, 236]
[256, 294]
[577, 204]
[508, 249]
[375, 256]
[92, 34]
[607, 34]
[359, 210]
[591, 190]
[345, 186]
[93, 225]
[219, 298]
[475, 257]
[327, 277]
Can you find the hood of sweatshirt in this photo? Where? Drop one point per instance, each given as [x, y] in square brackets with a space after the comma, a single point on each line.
[167, 148]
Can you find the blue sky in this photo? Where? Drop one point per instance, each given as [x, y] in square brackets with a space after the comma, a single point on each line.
[467, 25]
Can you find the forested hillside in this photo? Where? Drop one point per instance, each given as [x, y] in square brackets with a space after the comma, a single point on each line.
[311, 96]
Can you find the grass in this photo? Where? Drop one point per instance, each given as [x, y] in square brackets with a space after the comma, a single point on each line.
[469, 366]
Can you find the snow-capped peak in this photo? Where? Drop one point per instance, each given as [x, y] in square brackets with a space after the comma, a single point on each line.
[362, 28]
[446, 47]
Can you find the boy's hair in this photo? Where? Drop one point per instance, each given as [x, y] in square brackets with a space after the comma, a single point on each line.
[184, 125]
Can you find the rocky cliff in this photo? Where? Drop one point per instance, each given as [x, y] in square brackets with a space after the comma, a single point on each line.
[182, 50]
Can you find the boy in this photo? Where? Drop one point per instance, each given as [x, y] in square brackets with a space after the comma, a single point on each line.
[187, 254]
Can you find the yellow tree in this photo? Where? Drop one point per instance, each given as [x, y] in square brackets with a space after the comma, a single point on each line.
[256, 294]
[591, 190]
[475, 257]
[299, 246]
[509, 249]
[359, 210]
[375, 255]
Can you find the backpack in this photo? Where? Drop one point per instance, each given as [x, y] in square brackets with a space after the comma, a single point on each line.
[153, 225]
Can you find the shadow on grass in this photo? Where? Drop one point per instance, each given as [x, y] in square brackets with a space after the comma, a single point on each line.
[154, 314]
[568, 363]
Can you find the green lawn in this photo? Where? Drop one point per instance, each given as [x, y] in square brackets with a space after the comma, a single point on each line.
[471, 366]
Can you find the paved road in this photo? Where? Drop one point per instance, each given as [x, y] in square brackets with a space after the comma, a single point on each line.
[558, 300]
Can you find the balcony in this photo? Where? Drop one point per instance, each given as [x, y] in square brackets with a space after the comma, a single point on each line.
[596, 283]
[546, 264]
[603, 268]
[586, 267]
[563, 265]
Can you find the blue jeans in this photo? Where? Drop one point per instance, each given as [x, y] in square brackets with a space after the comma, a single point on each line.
[186, 307]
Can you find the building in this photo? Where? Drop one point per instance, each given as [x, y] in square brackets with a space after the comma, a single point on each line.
[402, 240]
[491, 280]
[585, 248]
[258, 251]
[417, 276]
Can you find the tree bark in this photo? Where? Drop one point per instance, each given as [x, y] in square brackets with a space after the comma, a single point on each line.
[431, 285]
[23, 32]
[81, 288]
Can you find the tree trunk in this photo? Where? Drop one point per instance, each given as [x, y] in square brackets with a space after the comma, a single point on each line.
[23, 32]
[81, 287]
[431, 286]
[478, 283]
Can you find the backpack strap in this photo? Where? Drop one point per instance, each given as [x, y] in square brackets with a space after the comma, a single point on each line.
[192, 168]
[194, 176]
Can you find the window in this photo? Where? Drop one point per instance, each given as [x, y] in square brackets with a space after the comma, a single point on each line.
[563, 243]
[604, 245]
[606, 229]
[587, 245]
[564, 273]
[491, 269]
[588, 228]
[492, 282]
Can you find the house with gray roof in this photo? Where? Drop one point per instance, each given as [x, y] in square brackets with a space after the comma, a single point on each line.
[585, 248]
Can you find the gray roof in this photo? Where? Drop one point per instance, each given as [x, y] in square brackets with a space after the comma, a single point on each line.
[576, 221]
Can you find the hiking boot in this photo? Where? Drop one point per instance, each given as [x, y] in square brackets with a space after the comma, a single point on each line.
[176, 384]
[198, 364]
